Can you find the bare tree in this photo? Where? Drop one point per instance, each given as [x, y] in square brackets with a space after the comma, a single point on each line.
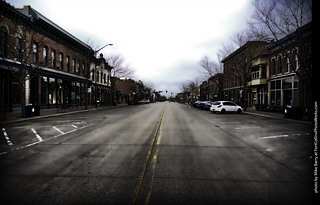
[274, 19]
[210, 67]
[26, 59]
[120, 69]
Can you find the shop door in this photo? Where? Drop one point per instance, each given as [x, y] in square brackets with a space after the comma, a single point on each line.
[287, 97]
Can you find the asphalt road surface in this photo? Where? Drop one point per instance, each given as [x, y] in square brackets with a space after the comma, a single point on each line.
[162, 153]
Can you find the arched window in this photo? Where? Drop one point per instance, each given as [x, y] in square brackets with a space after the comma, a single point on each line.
[97, 76]
[19, 47]
[3, 42]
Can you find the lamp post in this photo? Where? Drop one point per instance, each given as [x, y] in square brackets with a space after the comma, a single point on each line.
[95, 70]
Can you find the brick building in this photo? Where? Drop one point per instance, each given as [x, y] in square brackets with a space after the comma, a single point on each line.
[290, 75]
[41, 63]
[124, 90]
[237, 72]
[204, 94]
[215, 87]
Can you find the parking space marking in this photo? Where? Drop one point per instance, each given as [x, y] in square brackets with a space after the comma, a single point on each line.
[74, 126]
[240, 128]
[271, 137]
[34, 143]
[279, 136]
[58, 129]
[6, 137]
[36, 134]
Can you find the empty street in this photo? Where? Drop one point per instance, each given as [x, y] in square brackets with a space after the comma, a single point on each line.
[159, 153]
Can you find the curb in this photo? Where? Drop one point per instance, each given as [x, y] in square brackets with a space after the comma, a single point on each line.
[273, 117]
[58, 114]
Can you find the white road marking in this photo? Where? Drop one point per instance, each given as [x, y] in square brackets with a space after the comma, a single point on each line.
[74, 126]
[278, 136]
[240, 128]
[29, 145]
[271, 137]
[37, 135]
[58, 129]
[6, 136]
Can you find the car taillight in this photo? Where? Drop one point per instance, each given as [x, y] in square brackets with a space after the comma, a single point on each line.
[219, 105]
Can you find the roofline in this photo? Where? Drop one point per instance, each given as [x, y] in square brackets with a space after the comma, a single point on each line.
[305, 30]
[239, 50]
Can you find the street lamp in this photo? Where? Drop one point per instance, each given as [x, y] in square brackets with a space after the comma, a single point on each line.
[96, 51]
[95, 70]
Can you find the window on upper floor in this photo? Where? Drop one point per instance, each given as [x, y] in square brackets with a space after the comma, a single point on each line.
[263, 71]
[53, 59]
[19, 47]
[79, 68]
[35, 53]
[45, 55]
[83, 68]
[273, 66]
[287, 63]
[74, 65]
[61, 61]
[97, 76]
[279, 64]
[92, 76]
[68, 63]
[296, 64]
[3, 42]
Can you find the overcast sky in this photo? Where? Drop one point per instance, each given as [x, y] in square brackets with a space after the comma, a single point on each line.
[163, 40]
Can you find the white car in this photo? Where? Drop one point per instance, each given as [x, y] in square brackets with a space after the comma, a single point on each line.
[144, 101]
[225, 106]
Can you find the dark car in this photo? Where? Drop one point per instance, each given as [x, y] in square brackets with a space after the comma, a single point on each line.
[208, 105]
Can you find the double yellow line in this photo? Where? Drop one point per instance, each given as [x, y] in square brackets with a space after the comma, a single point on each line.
[146, 162]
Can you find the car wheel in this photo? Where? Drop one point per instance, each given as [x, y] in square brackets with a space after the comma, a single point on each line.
[223, 111]
[239, 111]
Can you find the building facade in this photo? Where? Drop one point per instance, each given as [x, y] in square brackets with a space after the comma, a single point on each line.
[258, 84]
[100, 82]
[290, 75]
[237, 71]
[215, 87]
[41, 63]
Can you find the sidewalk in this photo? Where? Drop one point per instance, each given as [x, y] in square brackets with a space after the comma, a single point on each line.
[269, 114]
[16, 116]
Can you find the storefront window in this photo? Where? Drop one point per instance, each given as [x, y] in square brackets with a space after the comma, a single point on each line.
[287, 83]
[52, 91]
[44, 90]
[60, 91]
[82, 93]
[278, 84]
[278, 97]
[66, 92]
[295, 82]
[273, 97]
[75, 93]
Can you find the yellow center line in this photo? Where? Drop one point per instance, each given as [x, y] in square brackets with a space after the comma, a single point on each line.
[154, 162]
[142, 174]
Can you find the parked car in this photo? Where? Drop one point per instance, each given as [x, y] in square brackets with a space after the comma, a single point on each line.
[195, 104]
[201, 104]
[207, 105]
[144, 101]
[225, 106]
